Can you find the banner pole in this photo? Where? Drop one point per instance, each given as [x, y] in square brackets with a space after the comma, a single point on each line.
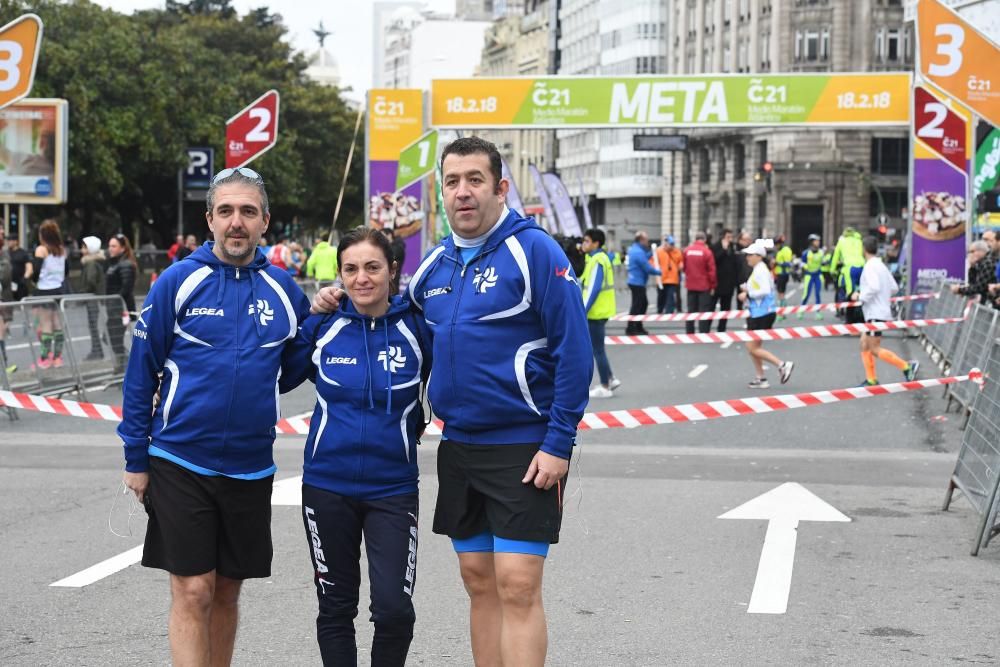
[347, 170]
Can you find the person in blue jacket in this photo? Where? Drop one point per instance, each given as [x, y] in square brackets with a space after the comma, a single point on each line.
[215, 326]
[368, 361]
[512, 370]
[639, 271]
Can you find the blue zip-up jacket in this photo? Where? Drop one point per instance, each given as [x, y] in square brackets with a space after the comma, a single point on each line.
[639, 269]
[216, 332]
[512, 355]
[368, 371]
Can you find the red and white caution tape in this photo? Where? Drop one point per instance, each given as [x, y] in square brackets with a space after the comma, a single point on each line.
[785, 333]
[670, 414]
[736, 407]
[61, 406]
[743, 314]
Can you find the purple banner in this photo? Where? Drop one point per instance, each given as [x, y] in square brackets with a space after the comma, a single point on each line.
[561, 202]
[513, 196]
[403, 213]
[550, 219]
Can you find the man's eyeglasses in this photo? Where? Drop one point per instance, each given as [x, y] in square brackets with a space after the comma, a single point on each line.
[246, 172]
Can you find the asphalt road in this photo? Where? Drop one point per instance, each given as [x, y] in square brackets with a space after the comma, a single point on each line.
[645, 573]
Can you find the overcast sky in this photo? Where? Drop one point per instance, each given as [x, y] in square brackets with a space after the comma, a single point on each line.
[350, 21]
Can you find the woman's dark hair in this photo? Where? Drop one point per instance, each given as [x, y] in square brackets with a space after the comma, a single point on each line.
[127, 252]
[374, 236]
[596, 235]
[51, 237]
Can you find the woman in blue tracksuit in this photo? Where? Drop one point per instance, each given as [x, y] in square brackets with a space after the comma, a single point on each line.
[369, 362]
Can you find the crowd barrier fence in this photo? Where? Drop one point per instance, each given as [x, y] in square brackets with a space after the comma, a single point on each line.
[977, 470]
[972, 350]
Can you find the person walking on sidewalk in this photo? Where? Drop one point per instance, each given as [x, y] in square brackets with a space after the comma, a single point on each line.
[876, 288]
[639, 271]
[599, 302]
[758, 295]
[813, 266]
[699, 269]
[120, 280]
[727, 270]
[92, 263]
[668, 300]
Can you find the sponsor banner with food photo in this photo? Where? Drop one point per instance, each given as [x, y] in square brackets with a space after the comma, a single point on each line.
[395, 122]
[939, 209]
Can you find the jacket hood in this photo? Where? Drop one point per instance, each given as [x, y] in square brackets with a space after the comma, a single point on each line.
[511, 225]
[205, 255]
[93, 257]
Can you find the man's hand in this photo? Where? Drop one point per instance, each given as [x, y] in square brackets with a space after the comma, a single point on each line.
[545, 470]
[327, 300]
[138, 482]
[954, 289]
[742, 297]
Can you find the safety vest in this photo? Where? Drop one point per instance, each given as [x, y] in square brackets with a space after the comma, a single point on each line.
[814, 261]
[604, 305]
[784, 256]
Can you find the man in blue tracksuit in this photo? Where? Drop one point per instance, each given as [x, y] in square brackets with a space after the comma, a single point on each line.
[214, 325]
[511, 371]
[639, 271]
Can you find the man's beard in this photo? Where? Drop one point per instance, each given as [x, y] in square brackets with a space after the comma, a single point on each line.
[251, 247]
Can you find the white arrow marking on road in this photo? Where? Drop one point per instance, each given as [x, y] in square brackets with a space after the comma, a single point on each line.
[725, 346]
[284, 492]
[697, 370]
[782, 507]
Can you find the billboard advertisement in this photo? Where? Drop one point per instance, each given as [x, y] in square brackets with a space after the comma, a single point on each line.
[733, 100]
[939, 210]
[395, 121]
[34, 152]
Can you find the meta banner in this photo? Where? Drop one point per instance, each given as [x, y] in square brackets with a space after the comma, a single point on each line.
[395, 123]
[868, 99]
[939, 211]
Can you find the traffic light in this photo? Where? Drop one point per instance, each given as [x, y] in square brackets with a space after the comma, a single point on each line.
[762, 178]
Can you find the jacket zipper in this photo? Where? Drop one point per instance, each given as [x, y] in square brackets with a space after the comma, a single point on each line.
[236, 372]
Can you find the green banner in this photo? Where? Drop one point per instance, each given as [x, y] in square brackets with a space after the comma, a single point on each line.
[417, 160]
[722, 100]
[987, 170]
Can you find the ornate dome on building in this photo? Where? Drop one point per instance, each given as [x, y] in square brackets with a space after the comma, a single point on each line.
[323, 68]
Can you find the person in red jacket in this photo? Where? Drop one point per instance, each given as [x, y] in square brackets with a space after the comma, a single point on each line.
[699, 271]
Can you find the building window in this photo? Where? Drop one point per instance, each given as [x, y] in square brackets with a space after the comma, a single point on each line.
[894, 199]
[703, 165]
[761, 211]
[722, 164]
[727, 55]
[741, 208]
[727, 11]
[761, 151]
[890, 155]
[739, 161]
[765, 51]
[810, 47]
[744, 9]
[686, 168]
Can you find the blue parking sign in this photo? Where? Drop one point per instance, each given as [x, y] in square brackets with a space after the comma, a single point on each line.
[201, 166]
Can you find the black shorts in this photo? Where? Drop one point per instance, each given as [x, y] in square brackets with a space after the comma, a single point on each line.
[854, 315]
[762, 322]
[781, 282]
[199, 523]
[49, 294]
[480, 490]
[874, 334]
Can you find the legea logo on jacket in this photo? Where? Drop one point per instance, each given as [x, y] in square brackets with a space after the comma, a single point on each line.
[484, 281]
[394, 360]
[215, 312]
[265, 310]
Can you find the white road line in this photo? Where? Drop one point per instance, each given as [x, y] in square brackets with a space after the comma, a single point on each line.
[697, 370]
[103, 569]
[725, 346]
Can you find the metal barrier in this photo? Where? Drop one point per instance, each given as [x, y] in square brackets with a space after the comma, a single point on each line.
[943, 339]
[99, 333]
[977, 470]
[37, 324]
[973, 348]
